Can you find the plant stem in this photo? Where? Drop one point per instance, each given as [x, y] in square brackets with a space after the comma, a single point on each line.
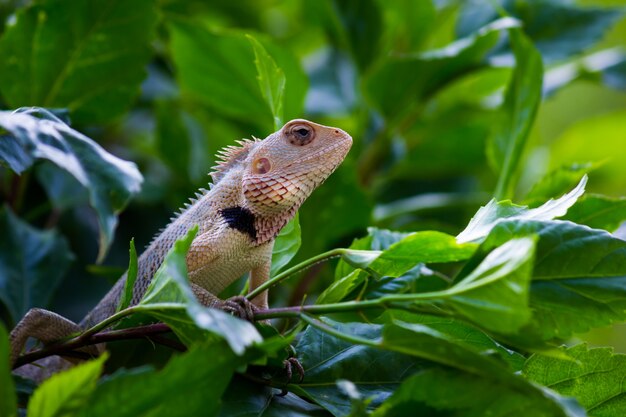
[295, 269]
[340, 335]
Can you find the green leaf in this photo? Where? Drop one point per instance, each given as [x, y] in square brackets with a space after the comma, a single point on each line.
[418, 279]
[420, 247]
[87, 56]
[286, 245]
[559, 182]
[340, 289]
[327, 206]
[354, 16]
[271, 80]
[180, 141]
[462, 333]
[32, 264]
[487, 217]
[495, 295]
[218, 70]
[131, 277]
[191, 384]
[523, 95]
[362, 251]
[63, 190]
[594, 376]
[427, 343]
[66, 393]
[169, 298]
[407, 24]
[436, 68]
[579, 28]
[110, 181]
[598, 212]
[265, 401]
[8, 399]
[443, 392]
[604, 64]
[579, 278]
[407, 253]
[376, 373]
[579, 143]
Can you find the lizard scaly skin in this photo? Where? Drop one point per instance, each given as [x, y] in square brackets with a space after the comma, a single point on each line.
[257, 188]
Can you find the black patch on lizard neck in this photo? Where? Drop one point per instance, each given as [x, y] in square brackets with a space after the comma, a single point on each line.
[241, 219]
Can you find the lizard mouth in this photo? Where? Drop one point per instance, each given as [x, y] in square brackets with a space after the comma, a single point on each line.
[343, 144]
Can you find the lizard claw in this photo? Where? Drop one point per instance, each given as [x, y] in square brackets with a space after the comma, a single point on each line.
[290, 364]
[240, 306]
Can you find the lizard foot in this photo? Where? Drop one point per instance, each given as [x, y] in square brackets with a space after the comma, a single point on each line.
[240, 306]
[290, 364]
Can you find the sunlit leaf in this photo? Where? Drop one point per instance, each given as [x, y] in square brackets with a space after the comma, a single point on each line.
[495, 295]
[579, 278]
[218, 69]
[593, 376]
[190, 384]
[559, 182]
[462, 333]
[65, 393]
[420, 247]
[487, 217]
[598, 212]
[580, 143]
[442, 392]
[339, 289]
[7, 389]
[271, 80]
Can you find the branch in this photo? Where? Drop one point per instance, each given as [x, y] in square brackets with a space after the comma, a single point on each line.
[69, 347]
[418, 303]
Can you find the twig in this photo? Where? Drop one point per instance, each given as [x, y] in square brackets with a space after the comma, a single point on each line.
[69, 347]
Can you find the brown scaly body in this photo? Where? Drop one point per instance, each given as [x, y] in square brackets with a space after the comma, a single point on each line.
[257, 188]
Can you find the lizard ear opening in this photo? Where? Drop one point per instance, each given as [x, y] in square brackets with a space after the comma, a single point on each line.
[261, 166]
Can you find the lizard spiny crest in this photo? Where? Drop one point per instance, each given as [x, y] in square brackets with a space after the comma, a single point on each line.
[231, 156]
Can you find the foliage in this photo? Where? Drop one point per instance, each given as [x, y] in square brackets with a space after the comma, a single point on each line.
[451, 106]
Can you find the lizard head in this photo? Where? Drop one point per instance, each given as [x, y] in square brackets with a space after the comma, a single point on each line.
[282, 170]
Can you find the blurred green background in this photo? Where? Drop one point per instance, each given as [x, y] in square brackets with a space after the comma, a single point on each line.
[418, 84]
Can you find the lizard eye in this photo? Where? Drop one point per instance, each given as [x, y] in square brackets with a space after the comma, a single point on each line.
[300, 134]
[261, 166]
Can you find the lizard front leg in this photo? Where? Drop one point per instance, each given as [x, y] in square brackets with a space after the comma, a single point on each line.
[206, 270]
[259, 276]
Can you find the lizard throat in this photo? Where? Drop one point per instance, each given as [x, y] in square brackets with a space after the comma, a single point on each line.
[240, 218]
[260, 229]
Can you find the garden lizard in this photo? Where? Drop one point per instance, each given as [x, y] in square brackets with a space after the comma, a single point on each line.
[257, 188]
